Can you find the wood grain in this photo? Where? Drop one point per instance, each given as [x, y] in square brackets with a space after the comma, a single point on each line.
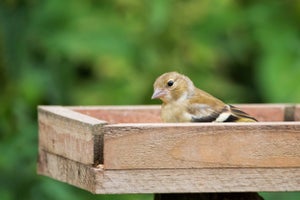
[151, 114]
[265, 112]
[297, 113]
[203, 145]
[101, 181]
[122, 114]
[66, 170]
[70, 134]
[142, 155]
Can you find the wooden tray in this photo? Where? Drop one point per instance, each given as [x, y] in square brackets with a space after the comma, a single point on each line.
[126, 149]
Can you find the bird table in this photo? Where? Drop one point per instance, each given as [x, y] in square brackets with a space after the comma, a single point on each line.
[127, 149]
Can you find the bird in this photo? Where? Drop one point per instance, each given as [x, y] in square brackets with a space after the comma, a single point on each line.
[183, 102]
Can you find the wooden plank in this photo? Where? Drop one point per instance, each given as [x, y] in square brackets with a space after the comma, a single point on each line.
[265, 112]
[66, 170]
[151, 114]
[70, 134]
[202, 145]
[122, 114]
[101, 181]
[198, 180]
[297, 113]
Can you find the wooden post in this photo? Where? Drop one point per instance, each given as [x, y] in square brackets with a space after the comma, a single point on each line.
[126, 149]
[210, 196]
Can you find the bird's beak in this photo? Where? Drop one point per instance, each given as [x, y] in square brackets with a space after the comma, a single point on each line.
[158, 93]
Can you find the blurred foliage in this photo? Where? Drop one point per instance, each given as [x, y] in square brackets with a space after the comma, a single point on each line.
[110, 51]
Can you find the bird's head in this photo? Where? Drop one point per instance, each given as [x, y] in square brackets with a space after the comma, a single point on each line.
[172, 86]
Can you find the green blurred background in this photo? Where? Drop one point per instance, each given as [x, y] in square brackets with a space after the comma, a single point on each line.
[109, 52]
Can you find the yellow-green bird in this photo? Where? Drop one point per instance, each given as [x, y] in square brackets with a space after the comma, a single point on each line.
[183, 102]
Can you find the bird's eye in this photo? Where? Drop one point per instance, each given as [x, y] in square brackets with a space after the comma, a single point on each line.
[170, 83]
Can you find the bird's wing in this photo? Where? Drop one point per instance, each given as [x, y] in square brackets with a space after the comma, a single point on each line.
[229, 113]
[203, 113]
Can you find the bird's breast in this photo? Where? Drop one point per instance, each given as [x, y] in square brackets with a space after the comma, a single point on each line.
[175, 112]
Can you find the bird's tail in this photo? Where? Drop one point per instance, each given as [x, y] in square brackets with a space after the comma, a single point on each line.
[237, 115]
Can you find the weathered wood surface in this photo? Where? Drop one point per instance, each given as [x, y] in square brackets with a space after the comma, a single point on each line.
[142, 155]
[66, 170]
[70, 134]
[211, 145]
[101, 181]
[122, 114]
[151, 114]
[266, 112]
[297, 113]
[75, 132]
